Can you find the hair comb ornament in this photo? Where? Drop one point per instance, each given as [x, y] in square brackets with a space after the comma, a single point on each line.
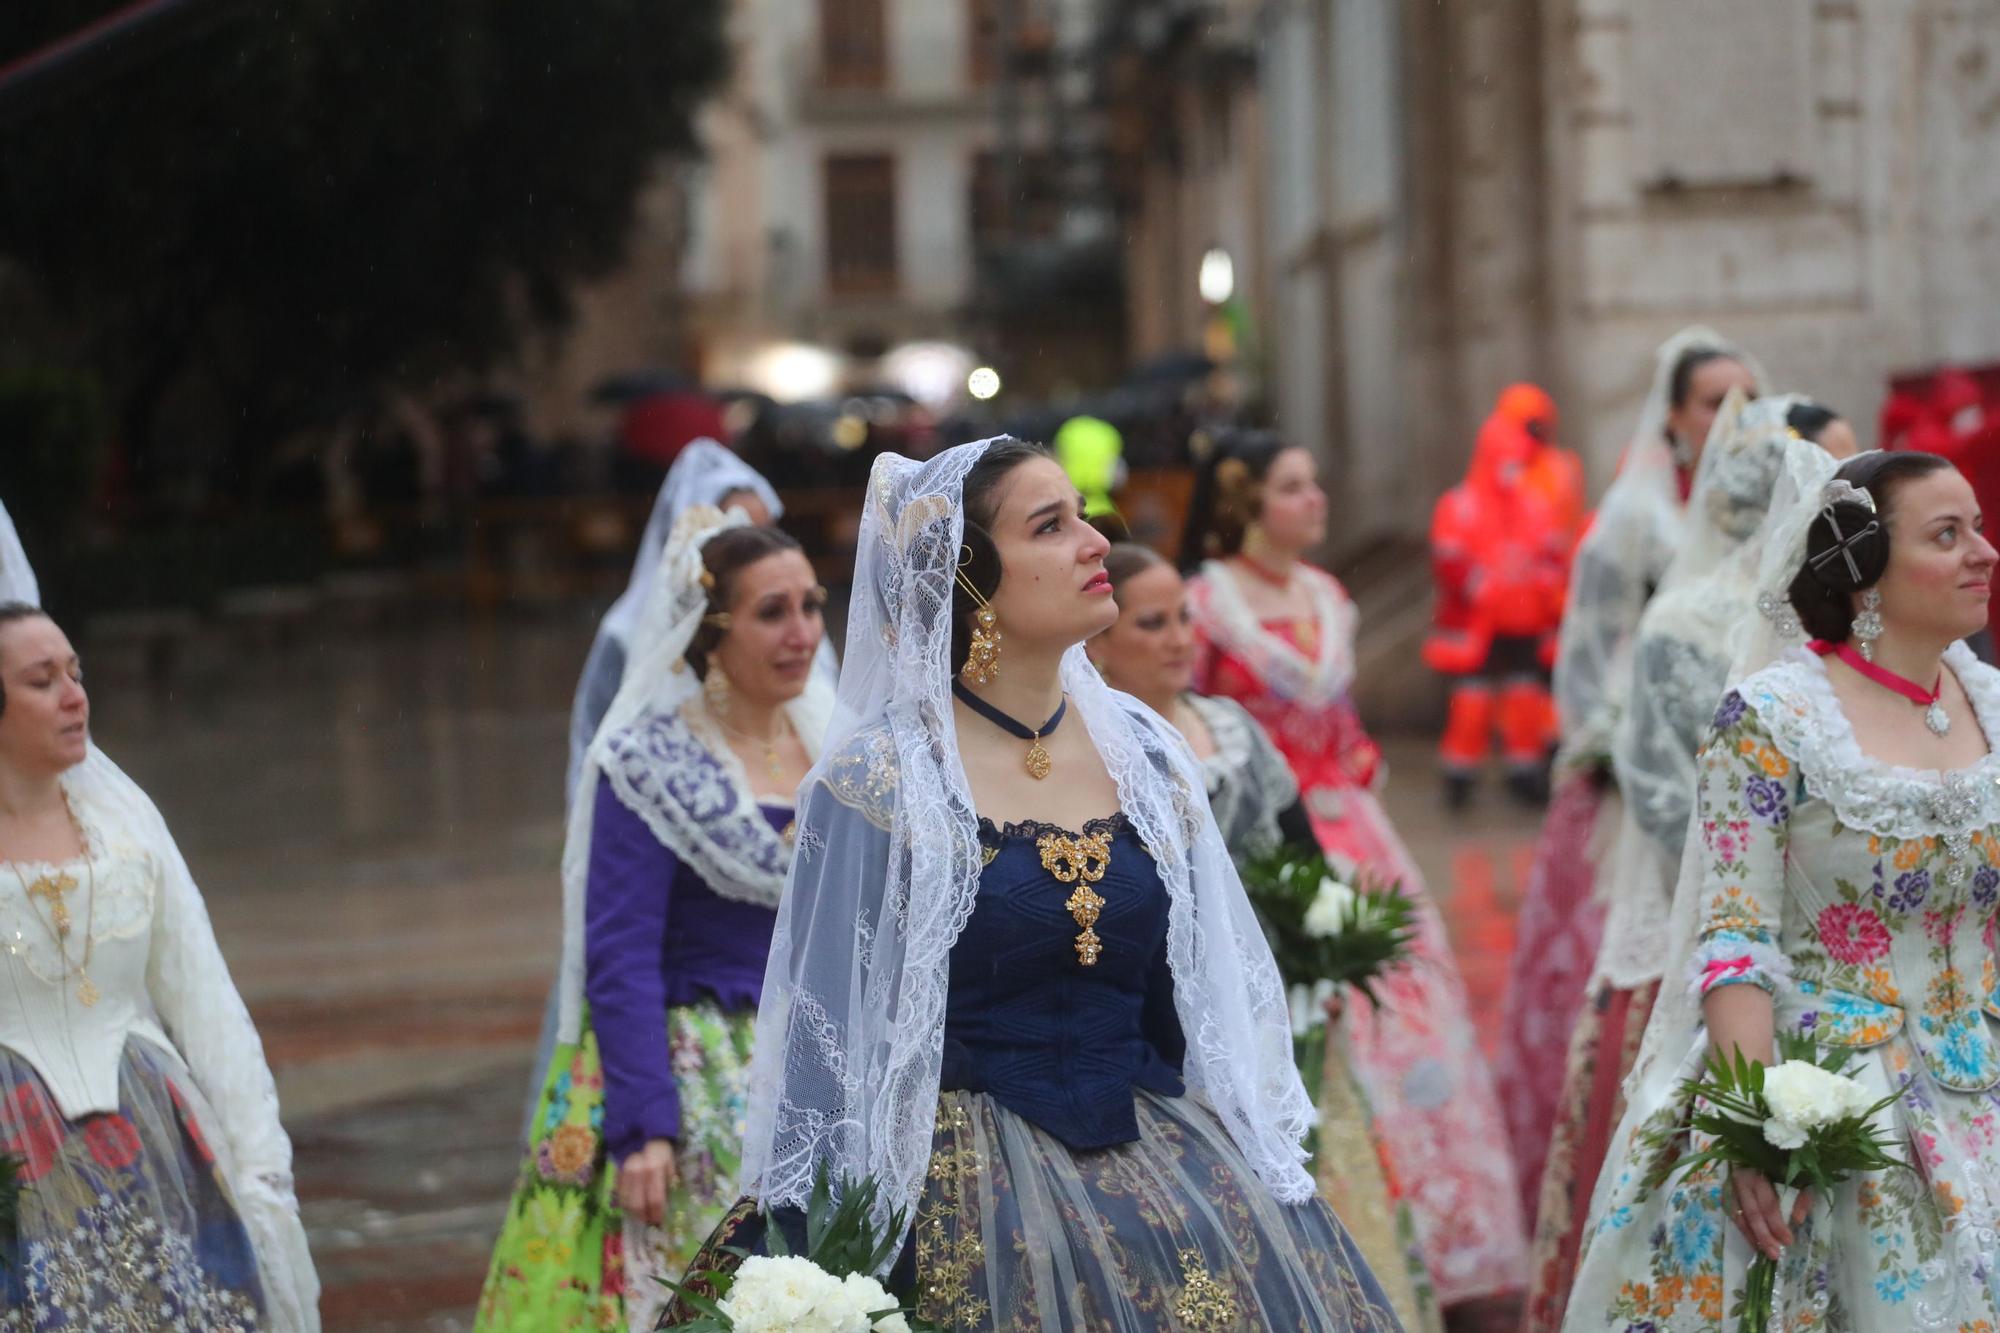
[1232, 475]
[1838, 492]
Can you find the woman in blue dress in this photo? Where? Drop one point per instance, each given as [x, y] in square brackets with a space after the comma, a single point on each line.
[1015, 979]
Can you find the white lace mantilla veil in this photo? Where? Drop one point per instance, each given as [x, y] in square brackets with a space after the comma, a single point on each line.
[702, 474]
[1760, 636]
[850, 1034]
[1634, 535]
[658, 683]
[203, 1013]
[17, 576]
[1680, 665]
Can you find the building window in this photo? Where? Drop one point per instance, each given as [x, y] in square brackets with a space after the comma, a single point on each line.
[986, 39]
[861, 224]
[853, 44]
[1036, 202]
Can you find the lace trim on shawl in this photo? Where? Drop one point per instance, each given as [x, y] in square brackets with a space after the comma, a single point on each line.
[1798, 706]
[1229, 727]
[1249, 783]
[693, 794]
[1231, 625]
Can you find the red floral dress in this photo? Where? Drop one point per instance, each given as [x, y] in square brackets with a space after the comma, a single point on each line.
[1417, 1057]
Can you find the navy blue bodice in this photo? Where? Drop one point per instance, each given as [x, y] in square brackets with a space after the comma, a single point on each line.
[1059, 1043]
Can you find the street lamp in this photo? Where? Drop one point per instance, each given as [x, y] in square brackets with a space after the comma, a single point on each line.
[1218, 276]
[983, 383]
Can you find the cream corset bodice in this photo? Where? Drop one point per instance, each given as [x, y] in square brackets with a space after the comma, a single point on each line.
[110, 901]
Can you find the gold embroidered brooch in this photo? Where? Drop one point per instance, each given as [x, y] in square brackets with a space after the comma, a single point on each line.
[1081, 861]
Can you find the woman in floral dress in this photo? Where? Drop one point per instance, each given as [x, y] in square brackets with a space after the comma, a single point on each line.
[1680, 669]
[1277, 636]
[1840, 884]
[677, 852]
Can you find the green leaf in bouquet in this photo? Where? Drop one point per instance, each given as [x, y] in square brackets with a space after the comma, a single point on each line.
[841, 1235]
[712, 1320]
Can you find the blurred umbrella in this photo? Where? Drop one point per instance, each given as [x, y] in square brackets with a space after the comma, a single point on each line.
[632, 384]
[657, 427]
[1172, 367]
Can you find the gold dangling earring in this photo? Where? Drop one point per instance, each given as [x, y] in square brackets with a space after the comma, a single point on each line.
[982, 661]
[715, 692]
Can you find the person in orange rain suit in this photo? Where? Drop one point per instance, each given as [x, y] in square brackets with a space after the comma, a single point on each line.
[1554, 473]
[1500, 544]
[1953, 420]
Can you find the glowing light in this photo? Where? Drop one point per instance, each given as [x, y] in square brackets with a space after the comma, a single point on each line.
[983, 383]
[1218, 276]
[850, 431]
[933, 373]
[794, 372]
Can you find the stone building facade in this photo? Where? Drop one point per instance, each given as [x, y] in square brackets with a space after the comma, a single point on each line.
[1428, 200]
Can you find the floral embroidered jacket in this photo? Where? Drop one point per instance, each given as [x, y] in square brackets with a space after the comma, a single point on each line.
[1862, 896]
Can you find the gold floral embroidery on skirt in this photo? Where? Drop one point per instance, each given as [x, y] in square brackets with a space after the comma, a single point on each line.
[1205, 1305]
[946, 1264]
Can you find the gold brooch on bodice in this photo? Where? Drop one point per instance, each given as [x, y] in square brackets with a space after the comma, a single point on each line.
[55, 890]
[1081, 861]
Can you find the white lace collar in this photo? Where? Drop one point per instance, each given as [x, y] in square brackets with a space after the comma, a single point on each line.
[676, 772]
[1798, 705]
[1310, 681]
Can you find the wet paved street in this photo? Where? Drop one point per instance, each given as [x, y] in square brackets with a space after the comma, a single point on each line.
[375, 820]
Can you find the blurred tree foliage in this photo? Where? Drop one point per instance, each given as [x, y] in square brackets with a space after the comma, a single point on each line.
[297, 204]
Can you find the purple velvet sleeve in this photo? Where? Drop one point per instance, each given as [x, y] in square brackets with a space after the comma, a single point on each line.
[625, 924]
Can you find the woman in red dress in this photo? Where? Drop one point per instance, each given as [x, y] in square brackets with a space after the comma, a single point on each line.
[1277, 635]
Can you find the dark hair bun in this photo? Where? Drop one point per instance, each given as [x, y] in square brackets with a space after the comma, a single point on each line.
[1847, 546]
[1226, 493]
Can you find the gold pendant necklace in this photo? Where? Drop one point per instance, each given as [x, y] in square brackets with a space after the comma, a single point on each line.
[773, 762]
[55, 888]
[1037, 760]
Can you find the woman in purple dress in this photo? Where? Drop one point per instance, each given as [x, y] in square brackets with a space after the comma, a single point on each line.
[679, 842]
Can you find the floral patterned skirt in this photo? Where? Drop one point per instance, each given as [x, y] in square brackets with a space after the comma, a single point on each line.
[1601, 1052]
[1170, 1233]
[123, 1211]
[1888, 1252]
[1556, 936]
[1357, 1179]
[1419, 1061]
[567, 1258]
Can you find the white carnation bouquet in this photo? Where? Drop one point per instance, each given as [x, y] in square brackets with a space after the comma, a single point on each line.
[1801, 1123]
[1328, 926]
[832, 1288]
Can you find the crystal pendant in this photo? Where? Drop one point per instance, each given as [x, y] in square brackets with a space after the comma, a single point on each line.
[1936, 718]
